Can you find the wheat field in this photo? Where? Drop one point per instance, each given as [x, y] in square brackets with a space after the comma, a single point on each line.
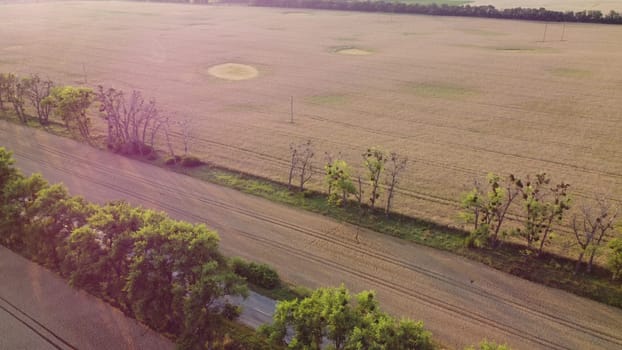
[460, 97]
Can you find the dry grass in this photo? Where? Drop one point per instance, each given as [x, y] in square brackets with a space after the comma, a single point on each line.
[460, 97]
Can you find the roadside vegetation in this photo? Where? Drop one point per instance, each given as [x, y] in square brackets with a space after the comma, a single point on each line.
[513, 220]
[170, 274]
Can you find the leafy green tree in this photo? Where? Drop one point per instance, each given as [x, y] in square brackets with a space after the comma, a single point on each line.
[544, 207]
[615, 258]
[339, 179]
[168, 259]
[107, 242]
[83, 253]
[329, 319]
[487, 208]
[489, 345]
[203, 316]
[374, 160]
[70, 104]
[54, 214]
[8, 172]
[18, 196]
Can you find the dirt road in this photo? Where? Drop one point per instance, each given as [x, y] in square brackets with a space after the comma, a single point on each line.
[460, 301]
[38, 311]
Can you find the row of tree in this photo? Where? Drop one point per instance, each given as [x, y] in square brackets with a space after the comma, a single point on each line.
[166, 273]
[170, 274]
[486, 11]
[68, 103]
[133, 123]
[383, 170]
[540, 207]
[330, 319]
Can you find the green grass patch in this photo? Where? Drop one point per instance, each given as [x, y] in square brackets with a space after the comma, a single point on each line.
[285, 291]
[329, 99]
[514, 48]
[550, 270]
[346, 39]
[440, 90]
[245, 337]
[571, 73]
[415, 33]
[522, 49]
[481, 32]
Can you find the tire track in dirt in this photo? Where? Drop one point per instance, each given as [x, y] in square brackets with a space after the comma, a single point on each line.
[35, 326]
[576, 326]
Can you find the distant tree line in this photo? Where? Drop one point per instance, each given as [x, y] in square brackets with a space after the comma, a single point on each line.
[485, 11]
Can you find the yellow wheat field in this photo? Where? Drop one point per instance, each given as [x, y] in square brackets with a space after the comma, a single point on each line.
[459, 96]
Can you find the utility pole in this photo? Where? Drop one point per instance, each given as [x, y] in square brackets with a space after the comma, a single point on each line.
[563, 31]
[545, 28]
[291, 117]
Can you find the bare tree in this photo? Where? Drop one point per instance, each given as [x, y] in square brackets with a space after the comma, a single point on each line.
[359, 192]
[394, 169]
[591, 227]
[292, 164]
[37, 90]
[166, 123]
[609, 214]
[131, 121]
[15, 95]
[301, 163]
[187, 135]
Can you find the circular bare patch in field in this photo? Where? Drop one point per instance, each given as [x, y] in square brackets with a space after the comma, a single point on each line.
[353, 51]
[233, 71]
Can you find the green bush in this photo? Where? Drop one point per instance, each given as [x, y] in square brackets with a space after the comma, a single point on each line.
[489, 345]
[261, 275]
[190, 161]
[172, 160]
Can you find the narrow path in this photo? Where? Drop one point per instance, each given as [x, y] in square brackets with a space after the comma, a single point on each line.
[459, 300]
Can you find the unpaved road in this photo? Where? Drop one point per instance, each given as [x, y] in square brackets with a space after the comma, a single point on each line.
[460, 301]
[39, 311]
